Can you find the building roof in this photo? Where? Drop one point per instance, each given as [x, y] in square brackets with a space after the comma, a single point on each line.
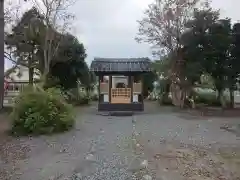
[120, 65]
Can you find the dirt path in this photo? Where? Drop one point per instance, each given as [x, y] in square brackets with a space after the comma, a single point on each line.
[144, 146]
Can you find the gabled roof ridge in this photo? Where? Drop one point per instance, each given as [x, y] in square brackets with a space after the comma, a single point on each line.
[120, 65]
[140, 59]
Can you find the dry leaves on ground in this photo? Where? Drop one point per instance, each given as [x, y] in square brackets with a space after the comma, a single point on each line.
[196, 164]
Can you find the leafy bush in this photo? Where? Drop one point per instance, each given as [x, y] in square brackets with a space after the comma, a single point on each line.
[153, 96]
[84, 98]
[208, 99]
[77, 97]
[165, 99]
[57, 93]
[94, 97]
[51, 82]
[41, 112]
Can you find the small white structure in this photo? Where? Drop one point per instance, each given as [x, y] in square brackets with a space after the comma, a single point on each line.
[21, 75]
[16, 81]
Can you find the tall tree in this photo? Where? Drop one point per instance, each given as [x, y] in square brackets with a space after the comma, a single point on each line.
[194, 43]
[162, 27]
[27, 41]
[69, 64]
[57, 19]
[218, 54]
[148, 80]
[162, 66]
[11, 16]
[164, 23]
[24, 42]
[233, 70]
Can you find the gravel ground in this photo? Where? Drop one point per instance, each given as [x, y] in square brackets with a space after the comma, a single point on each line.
[181, 146]
[105, 147]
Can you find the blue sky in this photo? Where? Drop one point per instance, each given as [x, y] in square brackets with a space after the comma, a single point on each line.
[108, 27]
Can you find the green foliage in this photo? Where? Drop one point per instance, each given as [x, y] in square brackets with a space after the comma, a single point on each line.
[165, 99]
[234, 61]
[162, 66]
[210, 48]
[24, 41]
[41, 112]
[57, 93]
[195, 46]
[164, 85]
[94, 97]
[148, 80]
[195, 41]
[78, 97]
[206, 81]
[209, 99]
[67, 64]
[219, 41]
[50, 82]
[201, 96]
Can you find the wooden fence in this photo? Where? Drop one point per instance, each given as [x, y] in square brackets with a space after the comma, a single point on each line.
[12, 90]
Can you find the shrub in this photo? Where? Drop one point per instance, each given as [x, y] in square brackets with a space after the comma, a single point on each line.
[50, 82]
[94, 97]
[153, 96]
[84, 98]
[165, 99]
[207, 98]
[77, 97]
[41, 112]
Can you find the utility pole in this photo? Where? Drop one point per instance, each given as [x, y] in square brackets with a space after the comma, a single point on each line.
[1, 53]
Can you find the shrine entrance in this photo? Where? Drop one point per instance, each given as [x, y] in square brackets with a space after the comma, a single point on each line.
[120, 93]
[120, 83]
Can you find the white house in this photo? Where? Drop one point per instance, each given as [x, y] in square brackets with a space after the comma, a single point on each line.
[21, 75]
[15, 83]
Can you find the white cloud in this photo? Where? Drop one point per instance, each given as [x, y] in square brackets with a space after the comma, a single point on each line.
[108, 27]
[228, 8]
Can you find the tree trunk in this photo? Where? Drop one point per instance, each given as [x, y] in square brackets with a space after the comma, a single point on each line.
[30, 75]
[1, 53]
[231, 93]
[220, 98]
[30, 69]
[219, 95]
[177, 95]
[184, 94]
[192, 97]
[182, 98]
[44, 79]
